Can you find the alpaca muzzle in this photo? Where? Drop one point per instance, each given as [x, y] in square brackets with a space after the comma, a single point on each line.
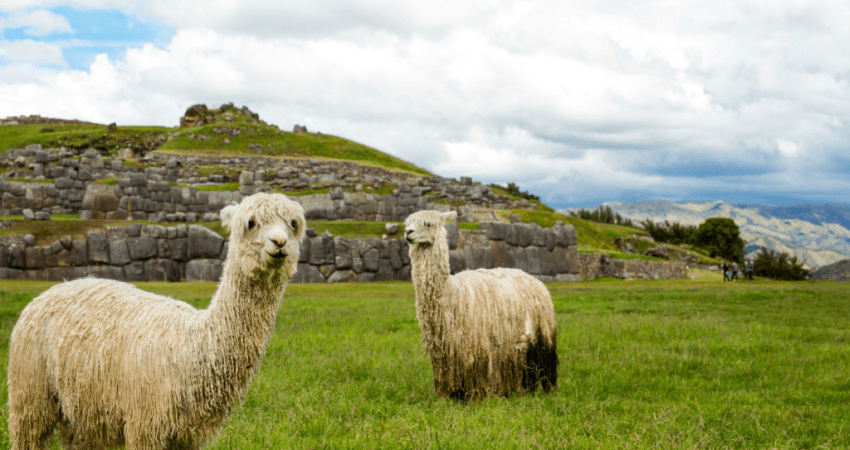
[279, 255]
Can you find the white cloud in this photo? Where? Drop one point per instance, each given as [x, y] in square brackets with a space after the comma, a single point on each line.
[36, 23]
[571, 99]
[31, 52]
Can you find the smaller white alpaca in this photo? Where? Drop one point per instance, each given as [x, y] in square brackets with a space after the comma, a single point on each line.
[489, 332]
[114, 365]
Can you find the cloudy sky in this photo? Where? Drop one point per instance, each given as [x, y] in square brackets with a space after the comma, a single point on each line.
[577, 102]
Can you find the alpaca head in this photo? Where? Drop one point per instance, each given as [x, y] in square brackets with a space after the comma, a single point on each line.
[265, 234]
[423, 228]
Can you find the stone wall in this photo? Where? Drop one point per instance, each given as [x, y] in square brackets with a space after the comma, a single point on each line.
[595, 265]
[194, 253]
[149, 193]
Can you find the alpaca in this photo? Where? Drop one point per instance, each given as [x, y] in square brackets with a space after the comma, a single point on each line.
[115, 365]
[489, 332]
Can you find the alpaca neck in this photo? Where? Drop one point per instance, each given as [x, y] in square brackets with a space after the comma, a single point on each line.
[430, 275]
[240, 320]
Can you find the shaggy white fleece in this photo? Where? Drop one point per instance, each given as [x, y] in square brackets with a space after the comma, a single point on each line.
[489, 332]
[114, 365]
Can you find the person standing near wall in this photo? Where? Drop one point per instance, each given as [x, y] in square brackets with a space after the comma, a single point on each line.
[734, 271]
[725, 268]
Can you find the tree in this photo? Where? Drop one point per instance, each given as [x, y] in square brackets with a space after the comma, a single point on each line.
[674, 233]
[721, 238]
[770, 264]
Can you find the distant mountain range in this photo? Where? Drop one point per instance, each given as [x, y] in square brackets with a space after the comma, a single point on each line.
[839, 271]
[816, 234]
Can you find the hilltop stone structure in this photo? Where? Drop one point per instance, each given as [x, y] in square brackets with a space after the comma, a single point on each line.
[150, 193]
[126, 184]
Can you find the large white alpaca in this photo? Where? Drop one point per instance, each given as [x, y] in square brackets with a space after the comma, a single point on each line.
[489, 332]
[114, 365]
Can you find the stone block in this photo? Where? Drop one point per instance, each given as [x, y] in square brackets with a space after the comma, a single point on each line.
[538, 235]
[108, 272]
[561, 256]
[311, 274]
[547, 262]
[356, 261]
[118, 252]
[342, 251]
[9, 274]
[204, 243]
[317, 251]
[304, 255]
[16, 257]
[567, 278]
[551, 239]
[385, 271]
[180, 249]
[327, 269]
[532, 256]
[143, 247]
[328, 246]
[134, 271]
[78, 255]
[391, 228]
[523, 234]
[342, 276]
[59, 273]
[366, 277]
[98, 247]
[34, 257]
[404, 251]
[394, 254]
[161, 270]
[203, 269]
[452, 234]
[482, 257]
[402, 274]
[371, 260]
[457, 261]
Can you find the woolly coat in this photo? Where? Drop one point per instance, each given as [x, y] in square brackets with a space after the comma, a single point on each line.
[488, 332]
[117, 365]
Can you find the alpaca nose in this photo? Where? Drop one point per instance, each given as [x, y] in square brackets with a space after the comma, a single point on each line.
[278, 239]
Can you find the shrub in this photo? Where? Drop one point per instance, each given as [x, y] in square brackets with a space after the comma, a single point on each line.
[602, 215]
[779, 266]
[674, 233]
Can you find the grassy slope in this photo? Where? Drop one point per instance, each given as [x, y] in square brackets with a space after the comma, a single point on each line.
[274, 142]
[80, 136]
[657, 364]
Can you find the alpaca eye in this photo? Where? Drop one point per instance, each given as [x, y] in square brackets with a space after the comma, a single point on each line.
[251, 224]
[294, 224]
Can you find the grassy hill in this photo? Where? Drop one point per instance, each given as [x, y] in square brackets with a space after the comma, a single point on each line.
[228, 131]
[231, 134]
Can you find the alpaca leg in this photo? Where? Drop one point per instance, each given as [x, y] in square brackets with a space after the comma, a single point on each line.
[70, 440]
[32, 419]
[549, 365]
[137, 438]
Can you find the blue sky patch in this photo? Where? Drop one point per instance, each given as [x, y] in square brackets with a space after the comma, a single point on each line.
[95, 32]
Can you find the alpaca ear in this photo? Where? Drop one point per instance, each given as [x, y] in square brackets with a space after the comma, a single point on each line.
[450, 216]
[226, 215]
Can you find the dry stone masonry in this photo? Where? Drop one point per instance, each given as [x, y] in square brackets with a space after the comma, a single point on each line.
[165, 188]
[194, 253]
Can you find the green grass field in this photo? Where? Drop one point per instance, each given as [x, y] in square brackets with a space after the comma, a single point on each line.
[657, 364]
